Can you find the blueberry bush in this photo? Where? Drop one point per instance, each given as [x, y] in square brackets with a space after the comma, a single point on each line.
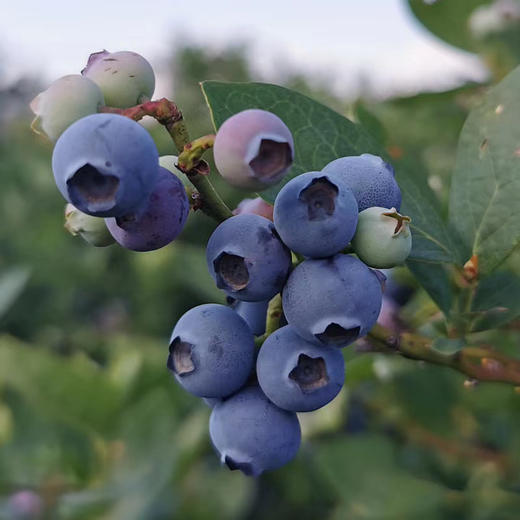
[340, 288]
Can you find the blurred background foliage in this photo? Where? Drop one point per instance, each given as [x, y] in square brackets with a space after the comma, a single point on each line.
[93, 427]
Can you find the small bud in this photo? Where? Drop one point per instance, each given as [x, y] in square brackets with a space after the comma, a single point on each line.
[471, 269]
[92, 229]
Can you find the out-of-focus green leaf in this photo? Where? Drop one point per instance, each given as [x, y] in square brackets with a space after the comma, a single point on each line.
[497, 301]
[370, 483]
[12, 284]
[485, 192]
[448, 19]
[370, 122]
[72, 389]
[322, 135]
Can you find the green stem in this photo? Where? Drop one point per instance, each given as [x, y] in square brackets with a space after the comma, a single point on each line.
[168, 114]
[211, 203]
[192, 152]
[272, 320]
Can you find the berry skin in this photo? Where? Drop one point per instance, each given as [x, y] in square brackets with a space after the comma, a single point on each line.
[247, 259]
[252, 434]
[316, 214]
[253, 149]
[257, 206]
[371, 179]
[212, 351]
[106, 165]
[91, 229]
[332, 301]
[297, 375]
[159, 221]
[383, 238]
[125, 77]
[254, 314]
[211, 401]
[67, 99]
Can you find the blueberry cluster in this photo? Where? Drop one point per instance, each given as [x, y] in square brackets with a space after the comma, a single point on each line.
[329, 297]
[296, 289]
[106, 165]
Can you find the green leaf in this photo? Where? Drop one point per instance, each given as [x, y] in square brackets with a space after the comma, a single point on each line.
[485, 194]
[435, 280]
[322, 135]
[447, 19]
[496, 302]
[448, 345]
[371, 485]
[74, 389]
[12, 283]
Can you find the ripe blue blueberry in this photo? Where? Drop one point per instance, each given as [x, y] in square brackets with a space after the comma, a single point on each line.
[68, 99]
[158, 221]
[332, 301]
[253, 435]
[211, 401]
[254, 314]
[91, 229]
[253, 149]
[316, 214]
[247, 259]
[106, 165]
[371, 179]
[125, 77]
[212, 351]
[296, 374]
[383, 238]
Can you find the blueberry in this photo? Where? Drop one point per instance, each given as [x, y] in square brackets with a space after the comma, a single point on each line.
[125, 77]
[159, 221]
[67, 99]
[211, 401]
[91, 229]
[383, 238]
[212, 351]
[106, 165]
[371, 179]
[257, 206]
[253, 435]
[253, 149]
[254, 314]
[298, 375]
[332, 301]
[247, 259]
[25, 505]
[316, 214]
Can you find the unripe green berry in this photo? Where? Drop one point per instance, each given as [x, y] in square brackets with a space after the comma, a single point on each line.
[68, 99]
[125, 77]
[92, 229]
[383, 238]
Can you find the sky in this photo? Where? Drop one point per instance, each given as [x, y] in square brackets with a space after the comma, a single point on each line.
[340, 41]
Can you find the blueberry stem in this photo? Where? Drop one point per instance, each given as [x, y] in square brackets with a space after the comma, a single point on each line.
[192, 152]
[168, 114]
[478, 363]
